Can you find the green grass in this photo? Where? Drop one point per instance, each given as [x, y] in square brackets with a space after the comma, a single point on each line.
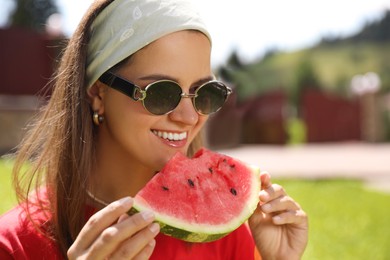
[347, 221]
[296, 130]
[7, 195]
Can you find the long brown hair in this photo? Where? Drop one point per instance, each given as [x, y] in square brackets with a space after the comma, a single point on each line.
[60, 147]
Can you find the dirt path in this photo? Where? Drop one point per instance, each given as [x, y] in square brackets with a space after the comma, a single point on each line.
[366, 161]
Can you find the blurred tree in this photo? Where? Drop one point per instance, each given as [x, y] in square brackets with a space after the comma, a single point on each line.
[234, 61]
[33, 14]
[270, 53]
[305, 77]
[376, 31]
[233, 64]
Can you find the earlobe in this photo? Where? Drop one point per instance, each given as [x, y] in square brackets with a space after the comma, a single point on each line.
[96, 95]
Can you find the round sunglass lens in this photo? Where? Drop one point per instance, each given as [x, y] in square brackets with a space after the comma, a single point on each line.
[162, 97]
[210, 97]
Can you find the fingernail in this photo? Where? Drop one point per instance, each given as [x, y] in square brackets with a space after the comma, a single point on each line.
[152, 243]
[126, 201]
[154, 228]
[277, 219]
[147, 215]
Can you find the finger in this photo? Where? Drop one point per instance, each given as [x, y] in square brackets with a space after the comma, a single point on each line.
[272, 192]
[136, 244]
[283, 203]
[265, 179]
[101, 220]
[123, 218]
[147, 252]
[109, 240]
[290, 217]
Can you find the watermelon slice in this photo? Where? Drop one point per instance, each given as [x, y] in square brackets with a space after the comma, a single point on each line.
[201, 199]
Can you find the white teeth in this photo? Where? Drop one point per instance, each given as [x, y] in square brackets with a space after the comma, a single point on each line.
[171, 136]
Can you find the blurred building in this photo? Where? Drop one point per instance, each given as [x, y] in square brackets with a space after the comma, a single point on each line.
[28, 60]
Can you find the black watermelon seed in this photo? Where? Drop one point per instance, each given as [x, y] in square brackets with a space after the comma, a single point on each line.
[233, 191]
[191, 183]
[233, 166]
[165, 188]
[211, 170]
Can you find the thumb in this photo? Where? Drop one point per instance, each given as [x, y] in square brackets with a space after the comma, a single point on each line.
[265, 179]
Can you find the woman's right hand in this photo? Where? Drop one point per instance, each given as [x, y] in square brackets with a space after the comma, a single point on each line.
[111, 233]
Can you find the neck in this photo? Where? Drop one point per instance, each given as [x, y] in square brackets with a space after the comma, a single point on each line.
[95, 201]
[116, 175]
[117, 172]
[115, 183]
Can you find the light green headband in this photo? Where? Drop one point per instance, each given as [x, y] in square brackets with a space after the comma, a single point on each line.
[126, 26]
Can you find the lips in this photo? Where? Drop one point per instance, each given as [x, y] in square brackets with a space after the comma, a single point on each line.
[171, 136]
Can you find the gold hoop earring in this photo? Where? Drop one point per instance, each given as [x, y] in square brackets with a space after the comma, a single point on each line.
[97, 119]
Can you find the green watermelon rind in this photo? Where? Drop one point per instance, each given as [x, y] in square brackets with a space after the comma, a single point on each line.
[174, 231]
[204, 233]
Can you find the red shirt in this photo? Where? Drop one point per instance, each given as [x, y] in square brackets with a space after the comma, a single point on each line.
[19, 239]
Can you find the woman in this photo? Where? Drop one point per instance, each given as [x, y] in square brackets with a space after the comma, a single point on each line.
[104, 134]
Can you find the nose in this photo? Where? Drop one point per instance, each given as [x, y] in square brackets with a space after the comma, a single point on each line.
[185, 112]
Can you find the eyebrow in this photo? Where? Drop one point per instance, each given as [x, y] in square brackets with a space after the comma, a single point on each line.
[155, 77]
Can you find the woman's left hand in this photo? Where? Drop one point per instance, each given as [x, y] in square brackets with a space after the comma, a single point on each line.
[279, 225]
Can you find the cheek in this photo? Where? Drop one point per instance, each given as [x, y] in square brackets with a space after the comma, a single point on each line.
[201, 122]
[122, 114]
[118, 104]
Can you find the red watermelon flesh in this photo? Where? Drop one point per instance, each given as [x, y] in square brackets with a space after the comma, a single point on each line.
[203, 198]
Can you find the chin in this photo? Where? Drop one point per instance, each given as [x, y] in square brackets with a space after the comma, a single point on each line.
[160, 163]
[163, 156]
[166, 157]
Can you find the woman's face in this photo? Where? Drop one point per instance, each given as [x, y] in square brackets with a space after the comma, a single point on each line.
[131, 133]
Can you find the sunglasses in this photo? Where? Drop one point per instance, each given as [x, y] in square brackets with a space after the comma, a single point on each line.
[163, 96]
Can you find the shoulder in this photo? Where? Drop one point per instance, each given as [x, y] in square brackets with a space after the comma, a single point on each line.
[13, 223]
[21, 238]
[14, 230]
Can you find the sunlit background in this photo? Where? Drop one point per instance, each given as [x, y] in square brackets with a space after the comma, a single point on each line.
[311, 102]
[254, 26]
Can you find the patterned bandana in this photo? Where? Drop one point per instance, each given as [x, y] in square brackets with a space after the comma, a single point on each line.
[126, 26]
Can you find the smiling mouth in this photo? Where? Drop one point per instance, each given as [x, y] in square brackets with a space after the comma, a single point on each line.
[170, 136]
